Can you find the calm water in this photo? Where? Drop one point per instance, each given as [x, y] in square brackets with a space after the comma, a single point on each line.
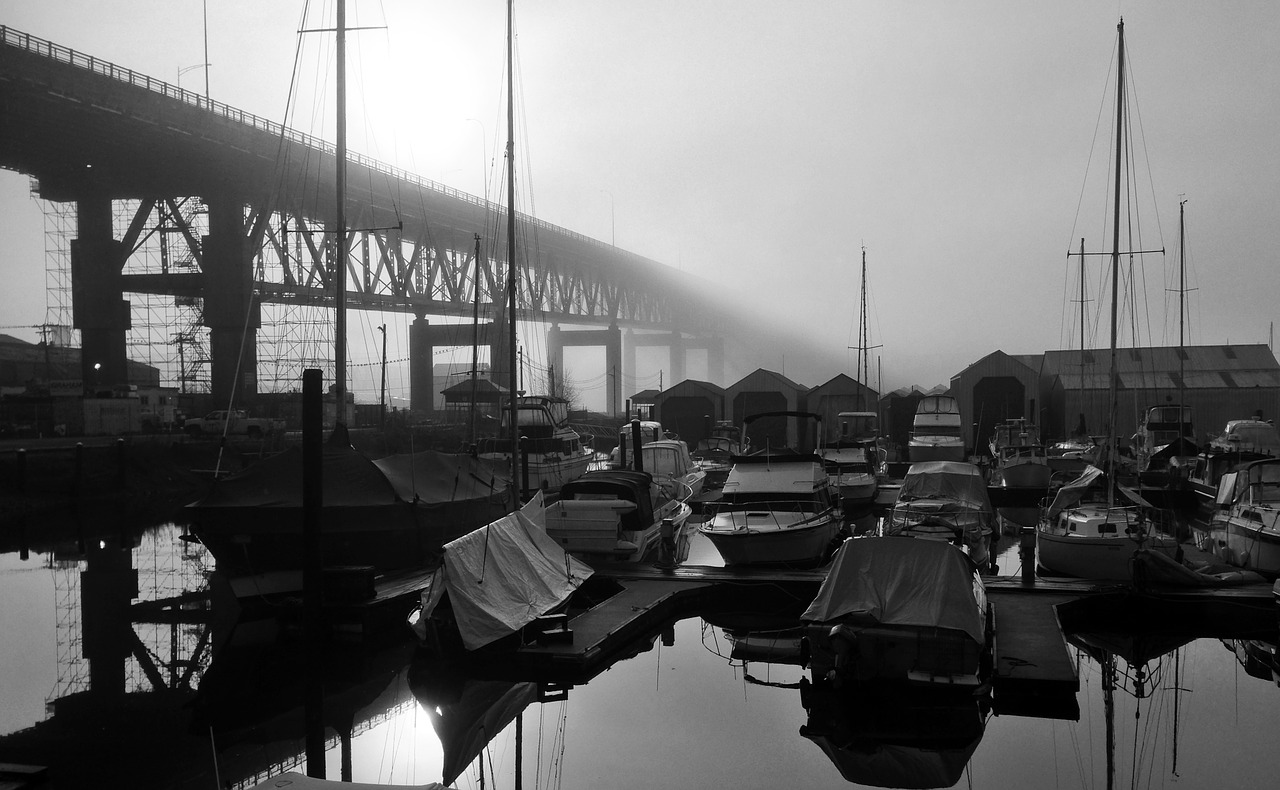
[102, 660]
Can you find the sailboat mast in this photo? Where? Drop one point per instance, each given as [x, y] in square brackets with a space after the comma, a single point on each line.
[863, 372]
[340, 256]
[1115, 265]
[475, 346]
[1182, 297]
[511, 246]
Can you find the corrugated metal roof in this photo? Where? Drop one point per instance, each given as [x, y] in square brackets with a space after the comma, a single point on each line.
[1230, 358]
[1241, 379]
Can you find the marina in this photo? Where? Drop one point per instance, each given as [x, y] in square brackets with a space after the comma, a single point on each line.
[323, 473]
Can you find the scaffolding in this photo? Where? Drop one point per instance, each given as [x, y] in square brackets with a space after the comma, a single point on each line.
[59, 230]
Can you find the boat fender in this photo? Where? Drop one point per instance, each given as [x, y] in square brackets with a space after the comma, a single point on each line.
[844, 640]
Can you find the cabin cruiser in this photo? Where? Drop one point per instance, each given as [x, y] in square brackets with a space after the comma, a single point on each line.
[900, 609]
[777, 507]
[854, 460]
[1246, 529]
[617, 515]
[555, 451]
[1021, 466]
[935, 431]
[715, 453]
[1164, 441]
[945, 501]
[1241, 441]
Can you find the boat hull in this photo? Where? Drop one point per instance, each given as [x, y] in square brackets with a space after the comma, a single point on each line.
[1085, 557]
[803, 543]
[546, 473]
[1248, 543]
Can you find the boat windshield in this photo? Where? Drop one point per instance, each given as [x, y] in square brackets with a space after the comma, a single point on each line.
[1264, 482]
[780, 502]
[663, 461]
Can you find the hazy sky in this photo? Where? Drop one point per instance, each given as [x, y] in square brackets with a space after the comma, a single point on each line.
[762, 144]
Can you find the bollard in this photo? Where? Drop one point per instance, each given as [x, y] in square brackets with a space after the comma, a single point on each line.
[667, 545]
[1027, 553]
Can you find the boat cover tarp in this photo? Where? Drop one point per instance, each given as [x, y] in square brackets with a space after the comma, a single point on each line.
[954, 480]
[1071, 493]
[350, 479]
[504, 576]
[900, 581]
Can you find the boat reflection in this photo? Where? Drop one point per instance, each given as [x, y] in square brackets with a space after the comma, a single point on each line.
[466, 713]
[1135, 644]
[891, 735]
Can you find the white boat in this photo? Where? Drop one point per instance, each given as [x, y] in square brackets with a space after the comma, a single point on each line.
[852, 472]
[1097, 539]
[935, 431]
[777, 507]
[1084, 532]
[1246, 529]
[715, 453]
[555, 451]
[1241, 441]
[650, 431]
[900, 609]
[1021, 465]
[945, 501]
[671, 464]
[618, 515]
[499, 579]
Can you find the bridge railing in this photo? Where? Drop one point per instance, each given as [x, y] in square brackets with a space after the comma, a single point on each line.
[57, 52]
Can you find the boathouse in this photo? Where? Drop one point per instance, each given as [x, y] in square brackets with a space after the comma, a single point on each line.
[764, 390]
[840, 394]
[996, 388]
[690, 408]
[1219, 383]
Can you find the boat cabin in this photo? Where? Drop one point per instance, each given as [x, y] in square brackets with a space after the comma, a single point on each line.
[1248, 436]
[1256, 483]
[650, 431]
[858, 426]
[623, 485]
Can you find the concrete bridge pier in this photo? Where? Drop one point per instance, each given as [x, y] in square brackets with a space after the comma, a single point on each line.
[231, 312]
[676, 355]
[423, 340]
[98, 307]
[610, 338]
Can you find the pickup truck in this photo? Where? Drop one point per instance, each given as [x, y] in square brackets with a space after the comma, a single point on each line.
[235, 422]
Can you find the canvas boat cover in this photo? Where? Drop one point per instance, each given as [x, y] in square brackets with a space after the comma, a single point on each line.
[900, 581]
[504, 576]
[953, 480]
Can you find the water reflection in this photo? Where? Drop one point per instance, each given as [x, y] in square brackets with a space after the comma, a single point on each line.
[118, 669]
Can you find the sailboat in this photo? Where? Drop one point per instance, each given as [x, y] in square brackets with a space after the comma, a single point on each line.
[536, 435]
[1097, 539]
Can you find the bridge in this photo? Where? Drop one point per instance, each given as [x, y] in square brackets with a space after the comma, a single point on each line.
[243, 209]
